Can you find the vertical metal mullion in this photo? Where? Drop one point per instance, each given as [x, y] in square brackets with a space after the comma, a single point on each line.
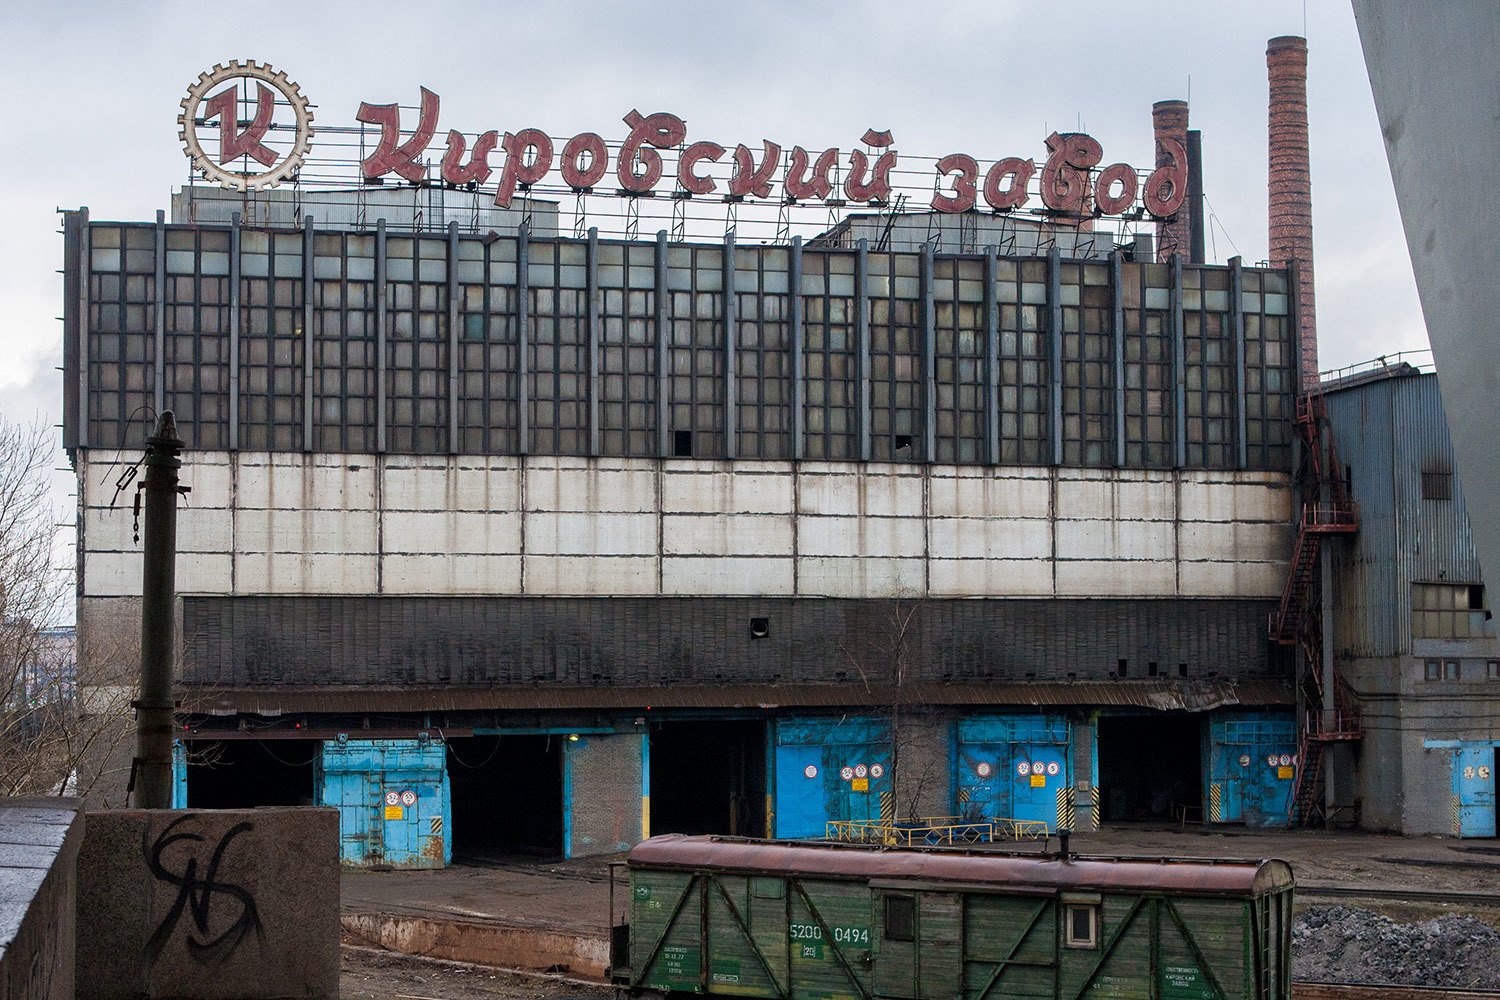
[1054, 352]
[380, 337]
[991, 360]
[592, 310]
[1117, 323]
[85, 295]
[307, 333]
[663, 355]
[799, 382]
[1179, 366]
[1237, 322]
[731, 415]
[862, 341]
[523, 340]
[234, 332]
[929, 360]
[452, 275]
[159, 313]
[487, 430]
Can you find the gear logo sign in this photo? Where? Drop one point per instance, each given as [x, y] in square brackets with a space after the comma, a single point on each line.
[258, 103]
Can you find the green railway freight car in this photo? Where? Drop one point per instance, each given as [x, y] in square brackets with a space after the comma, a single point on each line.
[808, 921]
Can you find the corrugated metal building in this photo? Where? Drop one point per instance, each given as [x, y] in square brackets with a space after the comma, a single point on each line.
[1413, 628]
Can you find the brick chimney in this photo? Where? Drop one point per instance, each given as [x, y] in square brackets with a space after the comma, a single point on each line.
[1170, 119]
[1291, 187]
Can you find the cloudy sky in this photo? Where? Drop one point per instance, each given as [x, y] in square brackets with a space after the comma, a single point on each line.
[93, 92]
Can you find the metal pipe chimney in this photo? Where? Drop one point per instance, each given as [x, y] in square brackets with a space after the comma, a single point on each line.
[1291, 187]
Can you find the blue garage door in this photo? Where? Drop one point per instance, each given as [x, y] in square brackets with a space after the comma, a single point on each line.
[829, 769]
[1250, 761]
[1474, 789]
[1012, 767]
[393, 801]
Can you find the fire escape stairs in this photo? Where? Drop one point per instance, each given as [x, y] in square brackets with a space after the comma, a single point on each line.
[1327, 510]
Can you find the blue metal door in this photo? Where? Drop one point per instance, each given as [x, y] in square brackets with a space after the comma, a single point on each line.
[1013, 767]
[393, 800]
[179, 775]
[1474, 790]
[1248, 762]
[830, 769]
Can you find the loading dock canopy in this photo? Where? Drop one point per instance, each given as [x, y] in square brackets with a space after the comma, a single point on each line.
[1039, 874]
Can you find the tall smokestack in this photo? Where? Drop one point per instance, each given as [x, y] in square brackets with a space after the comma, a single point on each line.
[1170, 119]
[1291, 187]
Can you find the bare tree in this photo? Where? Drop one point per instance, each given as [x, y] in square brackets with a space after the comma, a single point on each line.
[885, 659]
[53, 739]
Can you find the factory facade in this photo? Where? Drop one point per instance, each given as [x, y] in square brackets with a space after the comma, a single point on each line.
[501, 540]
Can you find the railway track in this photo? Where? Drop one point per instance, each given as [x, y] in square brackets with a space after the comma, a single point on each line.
[1363, 991]
[1404, 895]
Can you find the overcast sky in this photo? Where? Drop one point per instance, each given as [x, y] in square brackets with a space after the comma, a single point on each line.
[93, 91]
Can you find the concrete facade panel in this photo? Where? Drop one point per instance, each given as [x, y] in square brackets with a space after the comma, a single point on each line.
[205, 573]
[1116, 540]
[297, 482]
[1232, 579]
[1234, 501]
[203, 529]
[590, 534]
[886, 537]
[990, 577]
[1131, 496]
[457, 532]
[565, 486]
[306, 530]
[871, 491]
[727, 534]
[112, 574]
[729, 576]
[467, 483]
[561, 576]
[1237, 541]
[453, 574]
[303, 573]
[1098, 578]
[1013, 493]
[727, 492]
[821, 576]
[989, 538]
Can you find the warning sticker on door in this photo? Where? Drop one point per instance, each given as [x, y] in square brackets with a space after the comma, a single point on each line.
[860, 784]
[860, 770]
[846, 772]
[876, 771]
[1038, 781]
[1284, 773]
[1052, 768]
[393, 798]
[1023, 767]
[408, 798]
[982, 769]
[810, 771]
[395, 812]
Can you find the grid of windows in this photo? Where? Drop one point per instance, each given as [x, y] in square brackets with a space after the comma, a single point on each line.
[695, 321]
[1146, 290]
[271, 345]
[1208, 349]
[896, 400]
[1025, 389]
[120, 345]
[959, 325]
[487, 381]
[627, 363]
[196, 335]
[830, 356]
[762, 355]
[557, 281]
[347, 298]
[1087, 365]
[1270, 379]
[344, 340]
[1448, 611]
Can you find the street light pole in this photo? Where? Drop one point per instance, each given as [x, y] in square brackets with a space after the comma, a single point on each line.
[154, 707]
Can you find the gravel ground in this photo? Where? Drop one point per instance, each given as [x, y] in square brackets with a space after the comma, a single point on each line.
[371, 975]
[1339, 944]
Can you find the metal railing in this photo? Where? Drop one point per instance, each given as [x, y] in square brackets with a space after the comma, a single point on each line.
[926, 831]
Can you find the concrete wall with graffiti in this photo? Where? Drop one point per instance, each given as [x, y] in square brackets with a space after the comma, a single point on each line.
[214, 905]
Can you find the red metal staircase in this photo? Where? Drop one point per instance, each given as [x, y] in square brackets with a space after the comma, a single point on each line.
[1298, 620]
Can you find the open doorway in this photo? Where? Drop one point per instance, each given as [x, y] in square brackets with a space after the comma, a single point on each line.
[243, 774]
[709, 777]
[507, 796]
[1150, 767]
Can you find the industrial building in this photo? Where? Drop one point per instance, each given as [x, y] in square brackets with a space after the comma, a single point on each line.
[506, 541]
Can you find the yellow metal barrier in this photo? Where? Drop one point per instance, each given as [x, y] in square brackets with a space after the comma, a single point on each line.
[1020, 829]
[924, 831]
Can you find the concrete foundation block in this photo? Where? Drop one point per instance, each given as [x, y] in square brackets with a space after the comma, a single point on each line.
[213, 905]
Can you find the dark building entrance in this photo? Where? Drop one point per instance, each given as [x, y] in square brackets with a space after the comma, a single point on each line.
[507, 796]
[243, 774]
[1150, 767]
[709, 777]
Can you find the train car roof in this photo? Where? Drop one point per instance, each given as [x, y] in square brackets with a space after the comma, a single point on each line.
[1019, 873]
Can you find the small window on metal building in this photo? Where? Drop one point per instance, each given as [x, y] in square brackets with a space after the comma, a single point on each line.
[1448, 610]
[900, 918]
[1433, 670]
[1437, 486]
[1082, 925]
[1450, 670]
[1492, 670]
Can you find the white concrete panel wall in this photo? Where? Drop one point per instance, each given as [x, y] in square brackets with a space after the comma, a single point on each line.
[260, 523]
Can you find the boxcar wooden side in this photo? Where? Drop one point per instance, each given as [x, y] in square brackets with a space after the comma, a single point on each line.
[880, 925]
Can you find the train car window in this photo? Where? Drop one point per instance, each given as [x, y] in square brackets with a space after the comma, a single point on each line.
[900, 918]
[1082, 925]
